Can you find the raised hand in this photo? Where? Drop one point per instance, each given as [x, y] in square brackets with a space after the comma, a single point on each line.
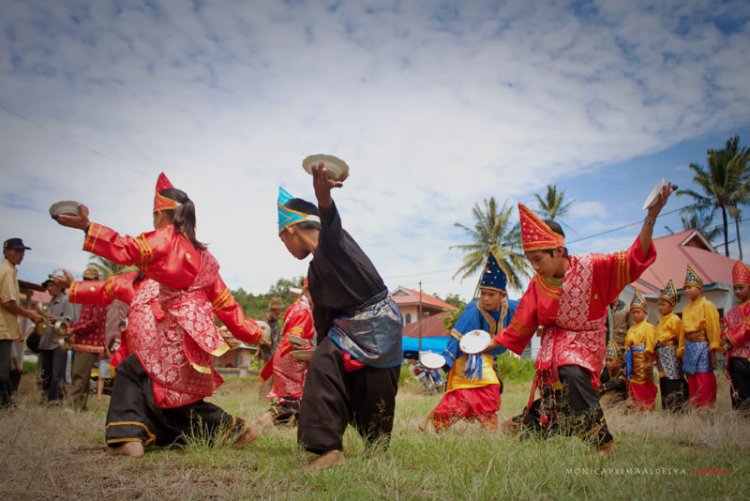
[323, 184]
[80, 221]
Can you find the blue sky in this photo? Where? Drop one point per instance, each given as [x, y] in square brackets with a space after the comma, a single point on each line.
[434, 105]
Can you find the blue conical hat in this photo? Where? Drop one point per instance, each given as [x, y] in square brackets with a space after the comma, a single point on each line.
[493, 276]
[669, 293]
[287, 216]
[693, 277]
[638, 301]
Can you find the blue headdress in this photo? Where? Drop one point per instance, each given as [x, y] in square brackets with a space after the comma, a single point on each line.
[493, 276]
[287, 216]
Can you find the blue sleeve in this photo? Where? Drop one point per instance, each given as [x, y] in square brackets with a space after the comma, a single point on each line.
[468, 321]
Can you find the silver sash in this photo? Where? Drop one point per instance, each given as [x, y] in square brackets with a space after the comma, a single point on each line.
[669, 364]
[372, 333]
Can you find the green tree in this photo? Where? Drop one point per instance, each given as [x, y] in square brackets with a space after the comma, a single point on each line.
[108, 268]
[551, 205]
[724, 185]
[493, 232]
[699, 218]
[453, 300]
[256, 305]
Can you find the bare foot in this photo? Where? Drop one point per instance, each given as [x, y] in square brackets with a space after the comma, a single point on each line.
[427, 426]
[248, 435]
[132, 449]
[327, 460]
[510, 427]
[265, 421]
[607, 451]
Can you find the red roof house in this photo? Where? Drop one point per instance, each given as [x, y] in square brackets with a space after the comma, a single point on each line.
[673, 253]
[411, 303]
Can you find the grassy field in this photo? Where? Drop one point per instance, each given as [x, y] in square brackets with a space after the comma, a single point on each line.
[57, 454]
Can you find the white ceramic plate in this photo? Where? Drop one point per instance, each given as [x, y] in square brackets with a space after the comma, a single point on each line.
[474, 341]
[431, 360]
[303, 355]
[297, 341]
[67, 207]
[335, 166]
[654, 195]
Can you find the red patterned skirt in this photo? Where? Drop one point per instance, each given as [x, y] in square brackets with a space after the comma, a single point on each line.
[480, 403]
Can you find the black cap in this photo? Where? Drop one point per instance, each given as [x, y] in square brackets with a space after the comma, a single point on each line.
[15, 243]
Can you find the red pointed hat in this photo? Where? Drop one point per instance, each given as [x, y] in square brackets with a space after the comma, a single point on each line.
[535, 233]
[740, 273]
[162, 202]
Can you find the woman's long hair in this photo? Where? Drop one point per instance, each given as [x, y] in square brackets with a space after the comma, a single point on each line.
[183, 217]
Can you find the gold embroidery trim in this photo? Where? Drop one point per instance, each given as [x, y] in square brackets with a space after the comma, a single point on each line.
[547, 289]
[151, 436]
[522, 329]
[109, 288]
[222, 300]
[144, 249]
[91, 236]
[203, 369]
[223, 348]
[295, 331]
[72, 290]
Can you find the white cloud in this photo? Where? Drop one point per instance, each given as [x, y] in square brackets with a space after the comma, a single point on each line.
[433, 108]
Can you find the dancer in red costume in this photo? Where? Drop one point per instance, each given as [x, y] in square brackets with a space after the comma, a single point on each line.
[568, 298]
[287, 371]
[158, 393]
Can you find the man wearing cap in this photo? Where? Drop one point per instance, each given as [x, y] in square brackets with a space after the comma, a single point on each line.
[10, 309]
[87, 343]
[53, 360]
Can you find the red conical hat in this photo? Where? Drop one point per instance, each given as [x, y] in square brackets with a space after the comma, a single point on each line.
[740, 273]
[535, 233]
[161, 202]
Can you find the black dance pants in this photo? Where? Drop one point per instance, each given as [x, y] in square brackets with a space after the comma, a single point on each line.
[739, 373]
[134, 416]
[334, 398]
[572, 410]
[674, 394]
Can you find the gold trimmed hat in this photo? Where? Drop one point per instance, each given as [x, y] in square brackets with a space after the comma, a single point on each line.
[289, 217]
[740, 273]
[493, 276]
[669, 293]
[161, 202]
[693, 277]
[535, 233]
[638, 301]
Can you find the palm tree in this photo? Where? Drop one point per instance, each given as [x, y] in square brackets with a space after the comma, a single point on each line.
[493, 232]
[108, 268]
[725, 184]
[551, 206]
[702, 219]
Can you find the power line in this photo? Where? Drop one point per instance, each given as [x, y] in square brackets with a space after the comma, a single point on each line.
[63, 136]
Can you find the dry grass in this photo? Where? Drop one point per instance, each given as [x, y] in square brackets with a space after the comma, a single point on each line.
[57, 454]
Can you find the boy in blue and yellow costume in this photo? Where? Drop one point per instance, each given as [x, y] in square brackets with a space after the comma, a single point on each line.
[473, 389]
